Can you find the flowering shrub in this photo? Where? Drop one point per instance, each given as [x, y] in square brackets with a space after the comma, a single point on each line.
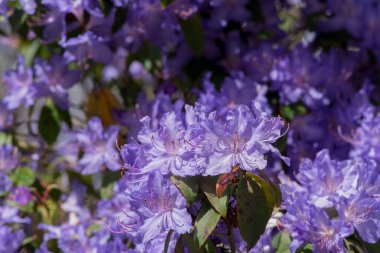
[189, 126]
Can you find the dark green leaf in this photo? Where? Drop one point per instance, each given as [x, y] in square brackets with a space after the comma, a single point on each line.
[208, 186]
[165, 3]
[188, 239]
[205, 223]
[265, 187]
[188, 187]
[179, 246]
[208, 247]
[23, 176]
[193, 32]
[48, 123]
[373, 248]
[253, 210]
[167, 240]
[64, 115]
[281, 243]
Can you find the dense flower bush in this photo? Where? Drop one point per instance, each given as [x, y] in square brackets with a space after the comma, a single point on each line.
[189, 126]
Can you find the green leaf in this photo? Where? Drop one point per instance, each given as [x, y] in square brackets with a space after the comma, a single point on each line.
[265, 187]
[193, 32]
[48, 123]
[372, 248]
[23, 176]
[179, 246]
[165, 3]
[64, 115]
[167, 240]
[188, 187]
[281, 242]
[208, 186]
[205, 223]
[209, 247]
[253, 210]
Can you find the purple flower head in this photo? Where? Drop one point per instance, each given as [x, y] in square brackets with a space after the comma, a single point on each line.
[6, 117]
[29, 6]
[365, 139]
[21, 195]
[161, 207]
[326, 179]
[88, 46]
[54, 79]
[166, 148]
[327, 235]
[9, 214]
[362, 212]
[346, 15]
[99, 146]
[154, 109]
[236, 89]
[10, 240]
[19, 84]
[299, 76]
[241, 137]
[9, 158]
[78, 238]
[5, 183]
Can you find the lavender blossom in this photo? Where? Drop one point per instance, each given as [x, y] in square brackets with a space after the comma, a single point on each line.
[99, 147]
[54, 79]
[20, 86]
[161, 207]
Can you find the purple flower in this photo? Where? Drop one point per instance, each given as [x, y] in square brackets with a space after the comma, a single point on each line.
[160, 206]
[9, 214]
[9, 158]
[363, 213]
[326, 180]
[10, 240]
[6, 117]
[241, 137]
[166, 149]
[299, 76]
[88, 46]
[364, 139]
[21, 195]
[99, 146]
[5, 183]
[19, 84]
[29, 6]
[54, 79]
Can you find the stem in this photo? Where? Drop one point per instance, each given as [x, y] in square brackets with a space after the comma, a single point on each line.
[231, 238]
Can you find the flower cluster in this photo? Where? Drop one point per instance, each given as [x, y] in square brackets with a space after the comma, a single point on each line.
[153, 126]
[330, 200]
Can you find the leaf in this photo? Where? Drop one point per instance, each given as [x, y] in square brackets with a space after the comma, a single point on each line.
[205, 223]
[167, 240]
[253, 210]
[23, 176]
[208, 186]
[179, 246]
[208, 247]
[193, 32]
[48, 123]
[372, 248]
[165, 3]
[188, 187]
[64, 115]
[101, 103]
[265, 187]
[281, 242]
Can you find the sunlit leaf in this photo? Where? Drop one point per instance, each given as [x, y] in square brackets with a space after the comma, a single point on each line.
[205, 223]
